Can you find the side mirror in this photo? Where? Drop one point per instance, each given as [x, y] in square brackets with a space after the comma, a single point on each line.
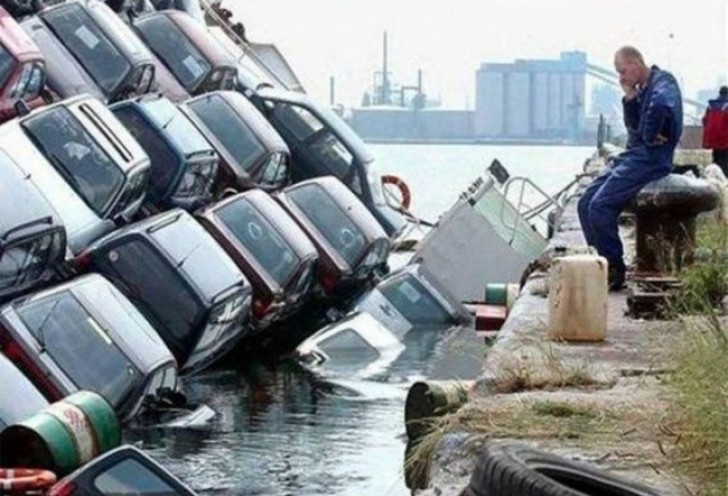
[21, 108]
[47, 96]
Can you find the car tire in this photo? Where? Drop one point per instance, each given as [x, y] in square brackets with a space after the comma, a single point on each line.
[505, 469]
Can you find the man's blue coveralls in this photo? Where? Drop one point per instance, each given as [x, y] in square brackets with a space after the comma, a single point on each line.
[654, 124]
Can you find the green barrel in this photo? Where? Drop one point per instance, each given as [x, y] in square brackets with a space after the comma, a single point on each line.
[63, 436]
[427, 401]
[496, 294]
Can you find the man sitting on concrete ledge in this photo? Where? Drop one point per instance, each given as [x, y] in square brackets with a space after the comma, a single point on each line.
[653, 117]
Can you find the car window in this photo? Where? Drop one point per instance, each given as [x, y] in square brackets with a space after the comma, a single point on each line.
[229, 129]
[332, 154]
[80, 345]
[175, 50]
[6, 65]
[89, 45]
[275, 169]
[25, 261]
[168, 117]
[348, 348]
[297, 120]
[154, 285]
[330, 220]
[29, 83]
[129, 477]
[164, 162]
[261, 239]
[76, 156]
[414, 301]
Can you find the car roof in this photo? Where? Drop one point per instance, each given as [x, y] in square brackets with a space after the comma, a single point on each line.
[16, 40]
[263, 129]
[126, 325]
[16, 385]
[16, 189]
[185, 244]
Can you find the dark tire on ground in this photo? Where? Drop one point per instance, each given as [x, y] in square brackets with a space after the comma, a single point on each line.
[505, 469]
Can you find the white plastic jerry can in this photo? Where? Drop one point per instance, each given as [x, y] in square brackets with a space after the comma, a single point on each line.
[578, 298]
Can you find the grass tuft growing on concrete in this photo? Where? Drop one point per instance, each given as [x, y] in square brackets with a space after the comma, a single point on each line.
[701, 384]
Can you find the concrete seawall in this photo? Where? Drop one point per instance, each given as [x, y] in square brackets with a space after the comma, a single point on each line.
[603, 403]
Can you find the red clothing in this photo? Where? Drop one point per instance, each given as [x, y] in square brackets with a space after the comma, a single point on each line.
[715, 125]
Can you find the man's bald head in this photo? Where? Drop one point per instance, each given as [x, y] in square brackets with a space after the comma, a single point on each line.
[631, 67]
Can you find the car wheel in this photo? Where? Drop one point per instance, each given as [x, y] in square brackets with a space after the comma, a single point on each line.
[505, 469]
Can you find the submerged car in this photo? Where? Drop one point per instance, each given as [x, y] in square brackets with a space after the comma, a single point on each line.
[85, 334]
[352, 245]
[269, 247]
[181, 280]
[186, 48]
[32, 238]
[252, 152]
[124, 470]
[183, 163]
[22, 68]
[15, 386]
[89, 49]
[358, 345]
[412, 298]
[83, 160]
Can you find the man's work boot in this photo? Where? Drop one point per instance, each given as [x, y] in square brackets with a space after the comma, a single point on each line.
[616, 275]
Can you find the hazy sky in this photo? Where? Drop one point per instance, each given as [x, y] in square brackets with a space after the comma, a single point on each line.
[449, 39]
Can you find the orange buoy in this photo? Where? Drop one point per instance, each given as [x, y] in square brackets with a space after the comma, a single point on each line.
[403, 190]
[22, 480]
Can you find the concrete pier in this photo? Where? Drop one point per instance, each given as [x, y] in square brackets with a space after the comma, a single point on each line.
[603, 403]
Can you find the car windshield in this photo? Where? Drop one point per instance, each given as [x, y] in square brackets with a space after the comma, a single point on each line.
[80, 345]
[6, 65]
[229, 129]
[77, 157]
[330, 220]
[347, 350]
[412, 299]
[175, 50]
[27, 259]
[157, 288]
[89, 45]
[129, 477]
[164, 162]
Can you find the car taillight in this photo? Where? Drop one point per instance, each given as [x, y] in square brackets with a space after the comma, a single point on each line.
[16, 354]
[62, 488]
[328, 280]
[260, 307]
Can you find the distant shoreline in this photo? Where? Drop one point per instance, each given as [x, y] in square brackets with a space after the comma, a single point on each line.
[469, 141]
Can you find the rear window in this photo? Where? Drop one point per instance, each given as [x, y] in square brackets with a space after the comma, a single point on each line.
[229, 129]
[164, 162]
[129, 477]
[175, 50]
[330, 220]
[414, 301]
[168, 117]
[89, 45]
[261, 239]
[77, 157]
[80, 345]
[154, 285]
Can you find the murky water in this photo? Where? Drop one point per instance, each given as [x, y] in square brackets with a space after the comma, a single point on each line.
[282, 430]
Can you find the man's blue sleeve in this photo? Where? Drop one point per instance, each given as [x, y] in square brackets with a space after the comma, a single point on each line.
[658, 114]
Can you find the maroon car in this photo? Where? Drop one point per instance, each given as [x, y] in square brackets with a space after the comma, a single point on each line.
[22, 68]
[352, 245]
[268, 247]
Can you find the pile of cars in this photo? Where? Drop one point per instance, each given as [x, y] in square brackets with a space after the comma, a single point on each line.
[164, 197]
[157, 207]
